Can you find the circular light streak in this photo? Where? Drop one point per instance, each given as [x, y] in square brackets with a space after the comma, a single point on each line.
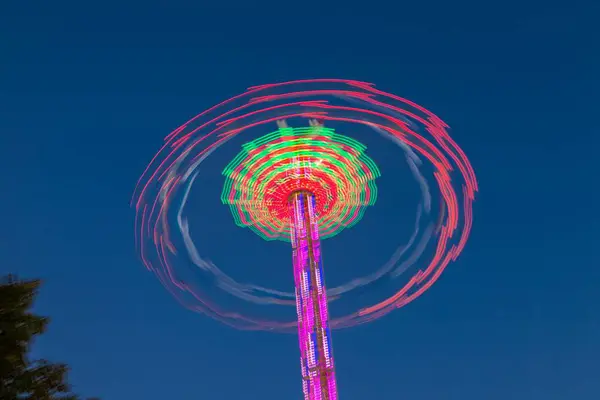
[163, 232]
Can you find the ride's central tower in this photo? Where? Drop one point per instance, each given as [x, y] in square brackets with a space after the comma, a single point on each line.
[311, 301]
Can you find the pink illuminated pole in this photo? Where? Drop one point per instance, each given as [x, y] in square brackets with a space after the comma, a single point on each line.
[316, 357]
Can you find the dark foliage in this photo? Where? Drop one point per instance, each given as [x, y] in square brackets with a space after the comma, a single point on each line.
[20, 377]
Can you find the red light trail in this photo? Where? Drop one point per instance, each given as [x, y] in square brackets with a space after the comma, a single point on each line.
[163, 187]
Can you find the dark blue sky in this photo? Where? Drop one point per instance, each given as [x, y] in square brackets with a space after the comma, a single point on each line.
[88, 92]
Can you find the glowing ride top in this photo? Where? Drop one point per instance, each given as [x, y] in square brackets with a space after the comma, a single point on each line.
[317, 160]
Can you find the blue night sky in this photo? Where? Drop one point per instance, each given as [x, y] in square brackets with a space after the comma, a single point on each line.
[87, 92]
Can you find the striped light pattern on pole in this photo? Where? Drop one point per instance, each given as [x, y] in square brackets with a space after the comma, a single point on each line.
[316, 357]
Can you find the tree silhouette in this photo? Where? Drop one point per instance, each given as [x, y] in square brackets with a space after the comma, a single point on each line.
[20, 377]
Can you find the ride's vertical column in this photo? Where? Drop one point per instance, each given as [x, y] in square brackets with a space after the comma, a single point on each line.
[316, 357]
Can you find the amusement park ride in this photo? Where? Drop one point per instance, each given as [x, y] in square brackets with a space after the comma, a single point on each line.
[303, 184]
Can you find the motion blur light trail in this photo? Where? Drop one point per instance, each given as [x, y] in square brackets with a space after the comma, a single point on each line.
[258, 181]
[333, 168]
